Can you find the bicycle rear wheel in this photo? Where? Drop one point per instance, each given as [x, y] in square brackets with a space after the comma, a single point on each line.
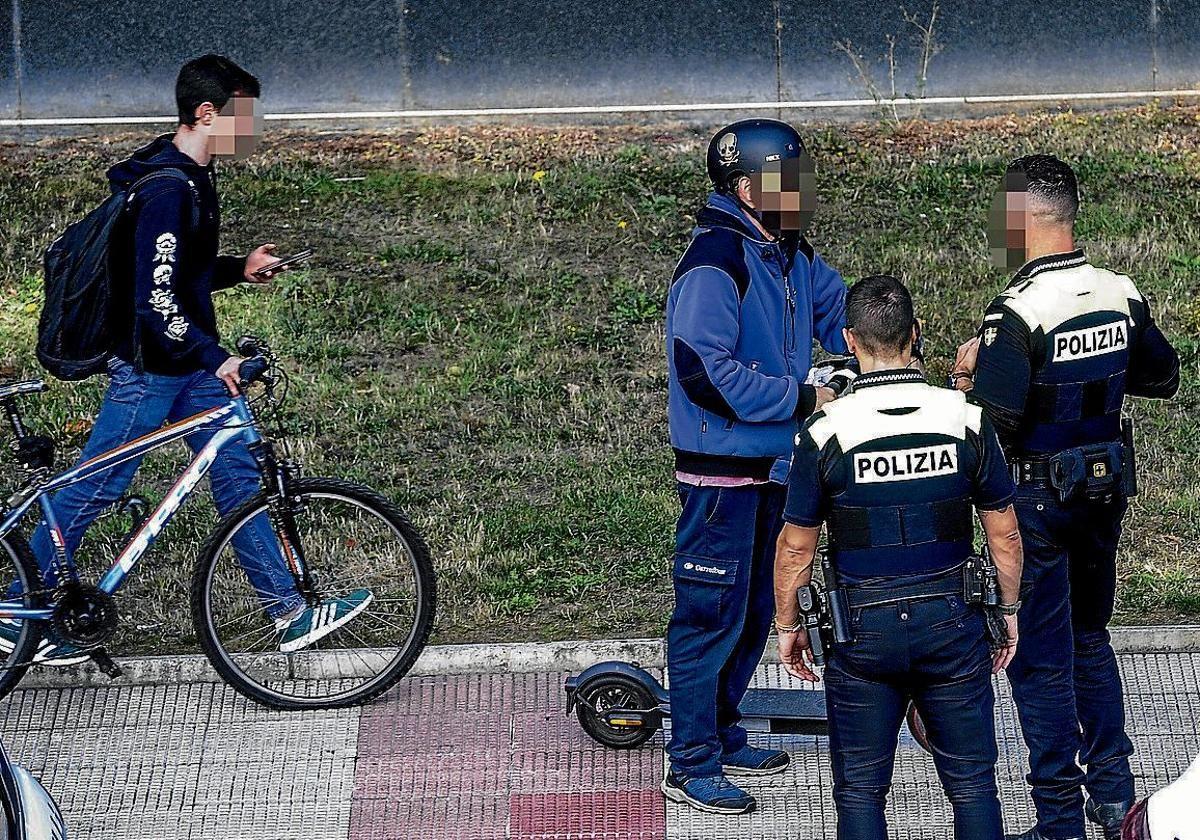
[373, 599]
[18, 639]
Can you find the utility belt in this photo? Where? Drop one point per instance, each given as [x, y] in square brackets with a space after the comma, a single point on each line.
[1096, 471]
[826, 610]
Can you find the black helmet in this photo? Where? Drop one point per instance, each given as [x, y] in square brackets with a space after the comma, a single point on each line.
[744, 147]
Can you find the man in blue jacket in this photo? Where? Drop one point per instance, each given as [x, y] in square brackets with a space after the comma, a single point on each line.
[744, 303]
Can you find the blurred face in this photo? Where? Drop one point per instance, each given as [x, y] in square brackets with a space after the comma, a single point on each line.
[785, 194]
[237, 128]
[1008, 222]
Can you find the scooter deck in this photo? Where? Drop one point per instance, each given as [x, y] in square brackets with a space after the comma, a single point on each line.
[787, 710]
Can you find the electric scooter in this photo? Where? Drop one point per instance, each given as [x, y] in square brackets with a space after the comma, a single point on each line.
[621, 705]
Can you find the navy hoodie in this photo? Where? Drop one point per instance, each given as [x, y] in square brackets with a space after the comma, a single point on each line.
[171, 264]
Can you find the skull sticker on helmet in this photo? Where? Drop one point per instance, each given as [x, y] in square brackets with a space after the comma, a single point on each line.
[727, 148]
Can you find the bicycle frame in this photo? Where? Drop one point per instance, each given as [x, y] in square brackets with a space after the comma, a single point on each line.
[233, 422]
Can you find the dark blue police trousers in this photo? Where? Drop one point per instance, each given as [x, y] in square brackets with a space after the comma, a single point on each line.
[1064, 677]
[934, 653]
[724, 605]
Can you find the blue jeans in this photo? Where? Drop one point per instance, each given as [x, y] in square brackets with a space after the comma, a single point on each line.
[724, 603]
[1064, 676]
[137, 404]
[934, 653]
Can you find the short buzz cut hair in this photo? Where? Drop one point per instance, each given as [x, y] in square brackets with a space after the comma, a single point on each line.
[879, 310]
[1048, 179]
[211, 78]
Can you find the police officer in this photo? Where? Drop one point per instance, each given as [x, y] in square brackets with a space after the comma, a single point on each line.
[1057, 353]
[745, 301]
[893, 468]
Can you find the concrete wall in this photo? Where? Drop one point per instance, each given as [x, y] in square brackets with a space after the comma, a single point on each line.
[118, 58]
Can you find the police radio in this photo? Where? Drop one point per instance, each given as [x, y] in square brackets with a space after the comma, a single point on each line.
[980, 580]
[981, 586]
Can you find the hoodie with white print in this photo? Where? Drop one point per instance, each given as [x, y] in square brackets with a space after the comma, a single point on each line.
[171, 265]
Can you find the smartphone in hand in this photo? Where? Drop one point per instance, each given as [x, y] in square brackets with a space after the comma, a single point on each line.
[279, 265]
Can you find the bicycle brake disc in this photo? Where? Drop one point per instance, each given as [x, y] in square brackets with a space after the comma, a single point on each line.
[84, 615]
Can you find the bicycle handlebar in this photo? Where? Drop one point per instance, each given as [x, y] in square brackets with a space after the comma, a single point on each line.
[253, 370]
[248, 345]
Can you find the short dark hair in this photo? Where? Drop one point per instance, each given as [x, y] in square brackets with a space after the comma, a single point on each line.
[210, 78]
[880, 312]
[1050, 180]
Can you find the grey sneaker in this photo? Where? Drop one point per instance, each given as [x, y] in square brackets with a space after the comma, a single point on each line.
[710, 794]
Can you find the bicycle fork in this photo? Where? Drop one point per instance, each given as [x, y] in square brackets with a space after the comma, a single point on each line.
[283, 505]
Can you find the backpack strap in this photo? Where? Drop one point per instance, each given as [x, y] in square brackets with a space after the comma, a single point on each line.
[178, 175]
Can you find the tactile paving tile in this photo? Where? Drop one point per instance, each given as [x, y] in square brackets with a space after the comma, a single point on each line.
[1163, 701]
[185, 761]
[479, 757]
[630, 814]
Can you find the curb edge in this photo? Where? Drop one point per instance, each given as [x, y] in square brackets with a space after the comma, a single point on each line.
[518, 657]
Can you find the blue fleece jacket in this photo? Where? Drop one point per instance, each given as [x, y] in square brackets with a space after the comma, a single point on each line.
[171, 265]
[740, 321]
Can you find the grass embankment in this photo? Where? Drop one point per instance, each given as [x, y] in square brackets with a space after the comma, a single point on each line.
[481, 335]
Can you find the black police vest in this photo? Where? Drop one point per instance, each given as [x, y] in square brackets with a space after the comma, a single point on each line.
[1081, 328]
[901, 462]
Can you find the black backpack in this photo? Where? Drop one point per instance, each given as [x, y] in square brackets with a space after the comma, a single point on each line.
[86, 300]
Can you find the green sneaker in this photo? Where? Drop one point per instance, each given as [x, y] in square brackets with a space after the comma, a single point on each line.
[315, 623]
[10, 632]
[48, 653]
[58, 655]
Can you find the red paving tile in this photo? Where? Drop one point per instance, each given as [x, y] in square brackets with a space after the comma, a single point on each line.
[435, 733]
[485, 756]
[423, 776]
[465, 816]
[541, 771]
[610, 815]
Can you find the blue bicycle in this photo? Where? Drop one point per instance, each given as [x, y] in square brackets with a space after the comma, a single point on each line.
[341, 556]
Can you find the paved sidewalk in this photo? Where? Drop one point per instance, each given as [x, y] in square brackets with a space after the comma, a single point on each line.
[476, 756]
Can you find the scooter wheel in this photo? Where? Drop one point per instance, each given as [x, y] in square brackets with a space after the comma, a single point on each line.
[615, 691]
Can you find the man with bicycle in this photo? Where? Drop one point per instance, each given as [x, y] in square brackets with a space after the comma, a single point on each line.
[168, 364]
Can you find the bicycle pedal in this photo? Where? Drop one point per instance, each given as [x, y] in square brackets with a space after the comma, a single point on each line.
[105, 663]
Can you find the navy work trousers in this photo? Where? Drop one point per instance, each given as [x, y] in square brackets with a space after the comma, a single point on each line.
[1064, 677]
[724, 604]
[933, 653]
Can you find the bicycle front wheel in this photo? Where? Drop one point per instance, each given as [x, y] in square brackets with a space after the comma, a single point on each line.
[364, 620]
